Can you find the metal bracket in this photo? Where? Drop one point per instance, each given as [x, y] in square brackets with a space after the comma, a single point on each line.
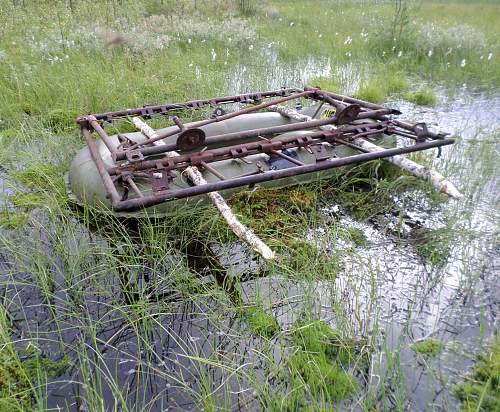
[319, 152]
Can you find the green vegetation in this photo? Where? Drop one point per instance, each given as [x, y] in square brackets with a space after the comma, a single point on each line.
[13, 220]
[357, 236]
[319, 359]
[422, 97]
[428, 347]
[261, 323]
[480, 391]
[434, 245]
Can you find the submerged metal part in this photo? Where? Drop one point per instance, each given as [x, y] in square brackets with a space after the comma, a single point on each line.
[128, 172]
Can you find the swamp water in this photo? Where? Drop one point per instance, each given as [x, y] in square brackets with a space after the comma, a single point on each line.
[67, 301]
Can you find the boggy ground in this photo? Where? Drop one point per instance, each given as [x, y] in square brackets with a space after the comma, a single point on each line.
[384, 293]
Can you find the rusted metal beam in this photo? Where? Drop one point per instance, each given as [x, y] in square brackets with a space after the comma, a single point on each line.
[152, 110]
[134, 204]
[101, 167]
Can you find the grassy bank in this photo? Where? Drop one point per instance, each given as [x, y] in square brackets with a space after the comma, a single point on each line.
[141, 315]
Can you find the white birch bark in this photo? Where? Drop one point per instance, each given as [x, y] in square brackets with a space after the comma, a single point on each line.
[439, 182]
[244, 233]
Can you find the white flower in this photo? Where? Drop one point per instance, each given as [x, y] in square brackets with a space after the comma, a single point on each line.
[189, 40]
[400, 53]
[490, 55]
[481, 57]
[463, 63]
[214, 54]
[250, 47]
[320, 35]
[348, 40]
[429, 53]
[292, 24]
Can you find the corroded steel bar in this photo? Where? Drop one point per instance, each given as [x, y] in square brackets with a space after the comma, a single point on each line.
[284, 156]
[101, 167]
[163, 135]
[102, 134]
[134, 204]
[212, 170]
[227, 152]
[193, 104]
[228, 137]
[352, 100]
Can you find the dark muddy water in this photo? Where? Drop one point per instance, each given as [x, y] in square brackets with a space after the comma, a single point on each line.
[64, 296]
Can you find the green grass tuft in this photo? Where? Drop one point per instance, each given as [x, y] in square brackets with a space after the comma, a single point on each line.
[13, 220]
[429, 347]
[261, 323]
[422, 97]
[357, 236]
[481, 391]
[325, 379]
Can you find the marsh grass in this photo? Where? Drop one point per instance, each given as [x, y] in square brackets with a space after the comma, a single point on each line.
[133, 313]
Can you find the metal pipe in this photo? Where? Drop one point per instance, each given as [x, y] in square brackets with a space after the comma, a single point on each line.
[212, 170]
[352, 100]
[133, 204]
[132, 184]
[101, 167]
[162, 109]
[249, 148]
[102, 134]
[227, 137]
[284, 156]
[164, 135]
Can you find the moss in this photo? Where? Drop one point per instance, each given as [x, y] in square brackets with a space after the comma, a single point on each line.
[43, 179]
[28, 200]
[14, 382]
[261, 323]
[8, 134]
[480, 391]
[305, 258]
[429, 347]
[319, 337]
[422, 97]
[42, 364]
[324, 378]
[269, 211]
[13, 220]
[38, 176]
[357, 236]
[433, 245]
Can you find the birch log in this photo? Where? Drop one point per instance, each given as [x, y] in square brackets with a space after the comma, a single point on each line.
[439, 182]
[244, 233]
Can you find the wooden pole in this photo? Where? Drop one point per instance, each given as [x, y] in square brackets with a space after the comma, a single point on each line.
[244, 233]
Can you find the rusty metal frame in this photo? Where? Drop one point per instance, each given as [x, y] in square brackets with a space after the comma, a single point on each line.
[152, 163]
